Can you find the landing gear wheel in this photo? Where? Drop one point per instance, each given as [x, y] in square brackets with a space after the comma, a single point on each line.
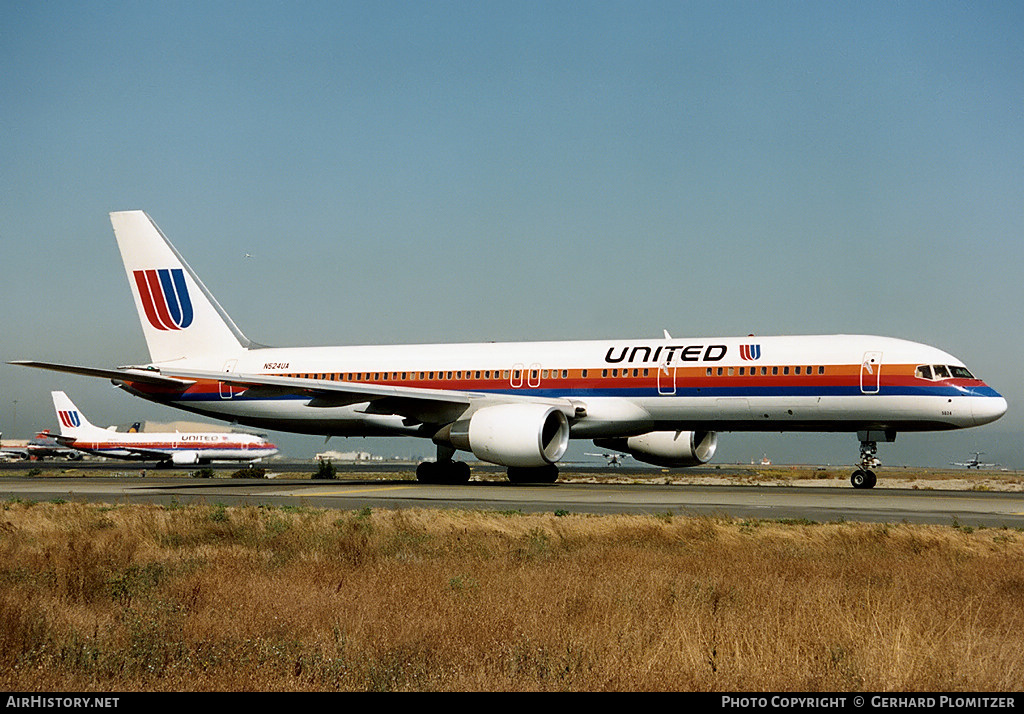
[541, 474]
[459, 472]
[443, 472]
[426, 472]
[863, 478]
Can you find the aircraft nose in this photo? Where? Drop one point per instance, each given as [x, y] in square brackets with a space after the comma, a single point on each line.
[987, 409]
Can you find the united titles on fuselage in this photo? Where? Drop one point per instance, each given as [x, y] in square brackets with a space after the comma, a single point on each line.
[664, 354]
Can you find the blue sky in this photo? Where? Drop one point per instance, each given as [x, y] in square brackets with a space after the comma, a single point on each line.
[462, 171]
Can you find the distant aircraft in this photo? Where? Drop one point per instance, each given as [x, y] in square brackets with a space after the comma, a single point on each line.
[179, 448]
[45, 445]
[973, 463]
[612, 459]
[12, 453]
[663, 400]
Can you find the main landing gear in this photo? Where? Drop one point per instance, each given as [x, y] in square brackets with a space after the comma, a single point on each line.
[444, 470]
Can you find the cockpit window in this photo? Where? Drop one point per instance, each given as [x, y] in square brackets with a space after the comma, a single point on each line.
[941, 371]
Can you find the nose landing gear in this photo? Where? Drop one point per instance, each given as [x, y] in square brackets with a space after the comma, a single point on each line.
[864, 477]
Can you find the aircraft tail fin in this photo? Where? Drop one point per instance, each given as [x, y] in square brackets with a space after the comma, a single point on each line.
[180, 318]
[72, 421]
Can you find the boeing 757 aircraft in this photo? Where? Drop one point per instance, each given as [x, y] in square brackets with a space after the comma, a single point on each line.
[176, 447]
[663, 401]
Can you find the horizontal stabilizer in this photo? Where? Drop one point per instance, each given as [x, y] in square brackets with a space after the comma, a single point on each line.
[124, 374]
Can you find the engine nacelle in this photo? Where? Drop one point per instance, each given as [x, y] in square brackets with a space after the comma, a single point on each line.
[511, 434]
[183, 458]
[667, 448]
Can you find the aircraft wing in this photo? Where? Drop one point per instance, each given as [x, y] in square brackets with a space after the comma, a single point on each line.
[145, 453]
[122, 374]
[432, 406]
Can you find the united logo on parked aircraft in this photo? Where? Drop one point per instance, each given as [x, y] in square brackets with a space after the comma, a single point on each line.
[749, 352]
[165, 298]
[69, 418]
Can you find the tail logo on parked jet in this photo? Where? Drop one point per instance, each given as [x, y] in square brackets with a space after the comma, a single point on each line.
[69, 418]
[165, 298]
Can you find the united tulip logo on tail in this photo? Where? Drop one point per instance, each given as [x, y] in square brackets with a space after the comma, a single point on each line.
[165, 298]
[69, 418]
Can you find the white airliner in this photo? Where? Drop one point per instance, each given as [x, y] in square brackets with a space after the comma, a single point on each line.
[9, 453]
[177, 447]
[974, 463]
[663, 401]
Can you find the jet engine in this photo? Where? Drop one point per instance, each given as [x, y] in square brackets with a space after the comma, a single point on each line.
[185, 457]
[528, 435]
[667, 448]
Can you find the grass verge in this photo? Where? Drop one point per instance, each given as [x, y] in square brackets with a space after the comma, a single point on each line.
[145, 598]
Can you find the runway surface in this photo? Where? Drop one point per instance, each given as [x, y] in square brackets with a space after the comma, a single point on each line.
[573, 493]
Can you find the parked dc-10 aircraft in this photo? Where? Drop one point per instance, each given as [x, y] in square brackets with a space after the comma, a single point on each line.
[177, 447]
[663, 401]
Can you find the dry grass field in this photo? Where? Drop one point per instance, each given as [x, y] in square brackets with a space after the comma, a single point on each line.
[210, 598]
